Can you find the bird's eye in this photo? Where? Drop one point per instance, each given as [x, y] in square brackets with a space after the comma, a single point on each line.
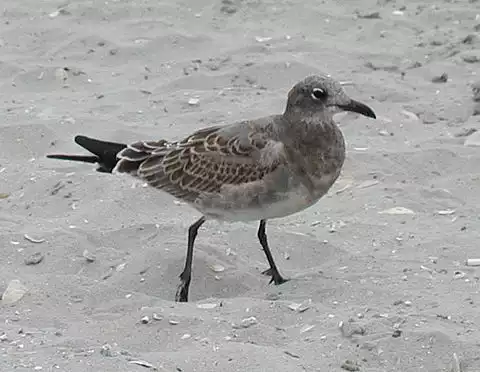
[319, 94]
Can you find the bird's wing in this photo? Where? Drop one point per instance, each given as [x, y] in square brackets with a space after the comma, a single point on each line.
[204, 161]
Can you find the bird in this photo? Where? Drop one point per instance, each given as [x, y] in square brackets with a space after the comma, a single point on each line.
[249, 170]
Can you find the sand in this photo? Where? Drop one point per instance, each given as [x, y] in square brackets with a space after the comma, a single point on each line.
[379, 280]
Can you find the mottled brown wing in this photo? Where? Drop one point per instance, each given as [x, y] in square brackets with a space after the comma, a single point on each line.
[201, 163]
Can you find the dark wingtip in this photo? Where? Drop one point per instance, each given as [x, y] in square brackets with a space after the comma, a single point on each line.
[81, 140]
[99, 147]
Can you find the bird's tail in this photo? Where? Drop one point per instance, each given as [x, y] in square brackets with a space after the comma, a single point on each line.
[104, 153]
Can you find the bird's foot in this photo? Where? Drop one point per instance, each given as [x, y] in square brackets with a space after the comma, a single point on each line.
[276, 277]
[267, 272]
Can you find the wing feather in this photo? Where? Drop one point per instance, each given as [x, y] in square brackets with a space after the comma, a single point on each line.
[201, 163]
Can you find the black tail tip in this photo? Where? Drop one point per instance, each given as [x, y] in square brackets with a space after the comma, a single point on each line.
[81, 158]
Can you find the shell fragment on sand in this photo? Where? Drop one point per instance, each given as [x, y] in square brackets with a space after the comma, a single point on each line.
[33, 240]
[89, 257]
[398, 211]
[142, 363]
[473, 262]
[446, 212]
[246, 323]
[193, 101]
[207, 306]
[14, 292]
[300, 307]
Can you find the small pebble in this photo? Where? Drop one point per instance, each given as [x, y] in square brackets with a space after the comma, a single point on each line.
[145, 320]
[396, 333]
[76, 299]
[348, 365]
[300, 308]
[34, 259]
[471, 57]
[443, 78]
[217, 268]
[106, 350]
[458, 275]
[349, 329]
[246, 323]
[89, 257]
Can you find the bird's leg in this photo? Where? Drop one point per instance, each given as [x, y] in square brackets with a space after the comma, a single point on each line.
[186, 275]
[273, 271]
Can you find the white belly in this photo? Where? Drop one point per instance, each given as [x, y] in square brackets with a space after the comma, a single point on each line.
[282, 205]
[258, 200]
[295, 201]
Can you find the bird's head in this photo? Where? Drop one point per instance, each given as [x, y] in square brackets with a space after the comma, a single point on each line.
[322, 94]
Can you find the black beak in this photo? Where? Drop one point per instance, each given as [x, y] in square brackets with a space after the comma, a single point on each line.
[358, 107]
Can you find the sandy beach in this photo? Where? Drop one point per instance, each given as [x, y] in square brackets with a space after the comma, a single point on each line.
[90, 261]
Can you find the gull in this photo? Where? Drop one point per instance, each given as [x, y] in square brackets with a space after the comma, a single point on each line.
[251, 170]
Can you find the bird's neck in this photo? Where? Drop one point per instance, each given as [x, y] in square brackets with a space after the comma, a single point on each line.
[318, 138]
[310, 127]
